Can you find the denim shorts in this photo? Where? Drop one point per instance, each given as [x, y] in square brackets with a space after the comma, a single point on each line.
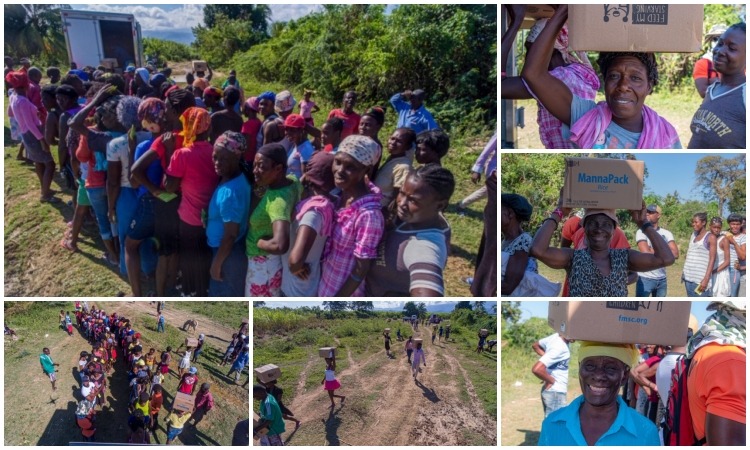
[98, 199]
[552, 401]
[142, 225]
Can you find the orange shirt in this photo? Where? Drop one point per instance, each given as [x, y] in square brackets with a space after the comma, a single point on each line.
[716, 385]
[156, 402]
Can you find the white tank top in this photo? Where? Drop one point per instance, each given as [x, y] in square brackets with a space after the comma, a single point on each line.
[330, 375]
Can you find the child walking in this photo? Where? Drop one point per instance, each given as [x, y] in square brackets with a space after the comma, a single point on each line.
[330, 383]
[409, 347]
[418, 355]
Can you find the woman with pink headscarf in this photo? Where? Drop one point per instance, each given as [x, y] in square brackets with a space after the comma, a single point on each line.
[573, 69]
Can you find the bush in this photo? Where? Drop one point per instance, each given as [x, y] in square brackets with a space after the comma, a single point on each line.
[168, 50]
[526, 333]
[217, 45]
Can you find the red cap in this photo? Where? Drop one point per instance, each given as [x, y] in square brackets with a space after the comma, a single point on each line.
[294, 121]
[138, 335]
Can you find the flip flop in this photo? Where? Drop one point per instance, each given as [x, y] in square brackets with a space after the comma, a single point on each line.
[65, 243]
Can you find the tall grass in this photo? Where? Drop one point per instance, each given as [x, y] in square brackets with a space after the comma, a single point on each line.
[267, 320]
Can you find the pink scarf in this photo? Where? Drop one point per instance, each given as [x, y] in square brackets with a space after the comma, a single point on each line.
[323, 206]
[657, 132]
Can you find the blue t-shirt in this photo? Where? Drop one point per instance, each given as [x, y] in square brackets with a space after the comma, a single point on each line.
[614, 136]
[419, 120]
[230, 203]
[297, 156]
[154, 172]
[563, 427]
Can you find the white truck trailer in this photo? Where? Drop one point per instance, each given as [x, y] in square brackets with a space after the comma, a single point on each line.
[95, 37]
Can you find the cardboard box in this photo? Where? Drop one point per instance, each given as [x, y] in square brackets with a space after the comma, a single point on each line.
[417, 341]
[603, 183]
[256, 420]
[267, 373]
[629, 322]
[183, 402]
[636, 28]
[387, 331]
[200, 66]
[484, 332]
[109, 63]
[191, 342]
[327, 352]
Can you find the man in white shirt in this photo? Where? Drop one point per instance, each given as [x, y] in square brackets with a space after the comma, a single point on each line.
[552, 368]
[653, 282]
[88, 390]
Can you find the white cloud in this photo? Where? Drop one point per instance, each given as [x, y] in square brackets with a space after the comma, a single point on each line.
[285, 13]
[156, 18]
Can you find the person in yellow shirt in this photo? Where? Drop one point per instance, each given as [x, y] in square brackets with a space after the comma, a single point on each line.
[175, 423]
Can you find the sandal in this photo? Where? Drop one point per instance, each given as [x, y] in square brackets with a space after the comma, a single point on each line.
[67, 245]
[50, 199]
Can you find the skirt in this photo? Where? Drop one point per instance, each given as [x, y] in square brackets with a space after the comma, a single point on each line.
[164, 369]
[331, 385]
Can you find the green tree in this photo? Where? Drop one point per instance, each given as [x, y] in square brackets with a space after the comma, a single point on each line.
[422, 310]
[258, 16]
[716, 177]
[335, 307]
[169, 50]
[35, 31]
[738, 197]
[361, 306]
[511, 311]
[479, 308]
[259, 304]
[463, 305]
[410, 309]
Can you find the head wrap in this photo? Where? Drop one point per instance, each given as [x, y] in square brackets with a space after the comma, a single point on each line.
[200, 83]
[157, 80]
[173, 87]
[561, 42]
[193, 370]
[152, 110]
[275, 152]
[127, 113]
[253, 103]
[518, 204]
[233, 142]
[361, 148]
[213, 91]
[268, 95]
[624, 352]
[17, 79]
[195, 121]
[143, 73]
[110, 105]
[294, 121]
[284, 102]
[180, 100]
[83, 76]
[97, 73]
[319, 171]
[130, 69]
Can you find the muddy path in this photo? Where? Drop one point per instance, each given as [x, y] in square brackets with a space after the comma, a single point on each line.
[385, 405]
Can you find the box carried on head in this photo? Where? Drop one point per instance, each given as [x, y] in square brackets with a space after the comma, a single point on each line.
[268, 373]
[327, 352]
[626, 322]
[200, 66]
[603, 183]
[484, 332]
[191, 342]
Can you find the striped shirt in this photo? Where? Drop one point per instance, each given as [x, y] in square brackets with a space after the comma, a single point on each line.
[740, 240]
[696, 261]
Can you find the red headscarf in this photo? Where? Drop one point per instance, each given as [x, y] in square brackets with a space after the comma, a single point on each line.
[17, 79]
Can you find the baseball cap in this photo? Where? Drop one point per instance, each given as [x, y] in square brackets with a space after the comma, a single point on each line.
[653, 208]
[607, 212]
[294, 121]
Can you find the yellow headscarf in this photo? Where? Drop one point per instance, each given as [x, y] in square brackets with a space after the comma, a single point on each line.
[194, 122]
[624, 352]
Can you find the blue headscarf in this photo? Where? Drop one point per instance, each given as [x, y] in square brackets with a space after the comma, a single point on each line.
[143, 73]
[268, 95]
[80, 74]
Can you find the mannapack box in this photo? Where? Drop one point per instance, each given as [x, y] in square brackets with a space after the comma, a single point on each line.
[636, 28]
[183, 402]
[628, 322]
[603, 183]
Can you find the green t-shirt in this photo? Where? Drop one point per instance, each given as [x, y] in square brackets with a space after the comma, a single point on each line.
[47, 363]
[277, 204]
[269, 410]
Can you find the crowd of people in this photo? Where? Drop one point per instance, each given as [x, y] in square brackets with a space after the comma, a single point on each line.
[657, 401]
[112, 338]
[564, 84]
[264, 205]
[599, 260]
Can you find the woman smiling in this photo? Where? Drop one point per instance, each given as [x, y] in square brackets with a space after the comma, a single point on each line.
[622, 121]
[599, 416]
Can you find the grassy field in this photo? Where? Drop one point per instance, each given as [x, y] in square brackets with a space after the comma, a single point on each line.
[367, 375]
[677, 107]
[36, 265]
[35, 415]
[521, 404]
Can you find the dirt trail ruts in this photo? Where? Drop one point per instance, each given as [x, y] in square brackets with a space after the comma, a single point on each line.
[385, 406]
[216, 335]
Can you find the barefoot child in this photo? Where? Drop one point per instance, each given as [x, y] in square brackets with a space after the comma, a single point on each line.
[418, 355]
[330, 383]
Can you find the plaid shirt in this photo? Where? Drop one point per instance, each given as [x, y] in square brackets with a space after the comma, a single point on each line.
[582, 82]
[357, 233]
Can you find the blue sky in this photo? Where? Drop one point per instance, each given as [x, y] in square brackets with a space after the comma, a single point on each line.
[673, 171]
[539, 309]
[175, 21]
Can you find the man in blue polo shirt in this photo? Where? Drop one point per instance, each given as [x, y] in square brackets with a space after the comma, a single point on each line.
[411, 112]
[600, 416]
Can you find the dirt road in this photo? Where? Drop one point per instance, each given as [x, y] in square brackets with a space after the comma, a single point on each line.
[385, 405]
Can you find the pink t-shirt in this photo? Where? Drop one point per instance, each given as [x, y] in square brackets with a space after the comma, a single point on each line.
[250, 130]
[306, 108]
[195, 167]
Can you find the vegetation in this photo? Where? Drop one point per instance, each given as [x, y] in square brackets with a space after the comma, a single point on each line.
[447, 50]
[35, 31]
[168, 50]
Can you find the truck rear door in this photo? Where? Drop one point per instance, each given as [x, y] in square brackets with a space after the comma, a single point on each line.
[82, 36]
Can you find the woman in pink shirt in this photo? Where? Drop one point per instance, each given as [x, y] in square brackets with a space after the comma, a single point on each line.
[308, 107]
[191, 170]
[32, 134]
